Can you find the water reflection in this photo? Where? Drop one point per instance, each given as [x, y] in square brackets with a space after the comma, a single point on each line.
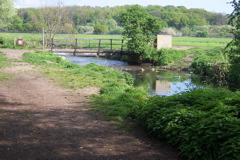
[163, 83]
[100, 61]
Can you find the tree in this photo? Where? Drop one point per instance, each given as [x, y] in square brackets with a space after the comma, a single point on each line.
[139, 28]
[17, 24]
[7, 12]
[54, 19]
[234, 46]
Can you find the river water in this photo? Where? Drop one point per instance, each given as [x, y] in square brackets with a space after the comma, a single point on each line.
[158, 82]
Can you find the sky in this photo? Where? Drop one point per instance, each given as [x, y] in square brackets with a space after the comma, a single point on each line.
[221, 6]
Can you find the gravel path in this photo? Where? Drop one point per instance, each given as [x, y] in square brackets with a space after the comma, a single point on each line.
[42, 121]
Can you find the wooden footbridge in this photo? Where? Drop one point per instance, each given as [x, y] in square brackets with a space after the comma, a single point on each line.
[89, 47]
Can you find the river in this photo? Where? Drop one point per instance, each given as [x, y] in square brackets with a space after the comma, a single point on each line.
[159, 82]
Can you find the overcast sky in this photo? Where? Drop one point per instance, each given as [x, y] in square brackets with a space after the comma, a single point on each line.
[211, 5]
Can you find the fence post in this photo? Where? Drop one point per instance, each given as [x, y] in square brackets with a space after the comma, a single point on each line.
[122, 46]
[52, 44]
[99, 46]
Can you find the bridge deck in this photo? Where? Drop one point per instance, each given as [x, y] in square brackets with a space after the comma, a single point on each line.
[90, 53]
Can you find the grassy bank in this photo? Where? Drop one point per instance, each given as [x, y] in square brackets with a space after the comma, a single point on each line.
[202, 124]
[73, 76]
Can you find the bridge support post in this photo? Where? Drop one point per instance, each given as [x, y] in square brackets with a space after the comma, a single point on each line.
[52, 44]
[99, 46]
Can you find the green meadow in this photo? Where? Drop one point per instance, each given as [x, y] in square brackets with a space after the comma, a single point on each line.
[200, 42]
[34, 40]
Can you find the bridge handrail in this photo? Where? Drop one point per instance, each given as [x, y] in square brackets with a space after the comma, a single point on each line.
[98, 44]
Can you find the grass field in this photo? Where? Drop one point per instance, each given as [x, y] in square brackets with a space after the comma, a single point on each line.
[200, 42]
[34, 40]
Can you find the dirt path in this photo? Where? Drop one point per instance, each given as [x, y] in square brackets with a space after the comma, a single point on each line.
[42, 121]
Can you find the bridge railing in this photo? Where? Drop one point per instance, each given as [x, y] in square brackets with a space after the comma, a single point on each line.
[88, 44]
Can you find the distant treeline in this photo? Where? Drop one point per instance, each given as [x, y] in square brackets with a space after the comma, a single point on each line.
[84, 19]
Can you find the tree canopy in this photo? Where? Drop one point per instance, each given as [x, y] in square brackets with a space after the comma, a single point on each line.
[7, 12]
[139, 28]
[87, 17]
[234, 46]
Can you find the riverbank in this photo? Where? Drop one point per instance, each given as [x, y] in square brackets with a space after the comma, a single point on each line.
[40, 120]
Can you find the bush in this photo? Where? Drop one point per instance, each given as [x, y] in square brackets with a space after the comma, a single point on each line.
[201, 34]
[100, 29]
[211, 63]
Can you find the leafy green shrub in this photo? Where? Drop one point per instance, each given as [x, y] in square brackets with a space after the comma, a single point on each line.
[203, 124]
[211, 63]
[201, 34]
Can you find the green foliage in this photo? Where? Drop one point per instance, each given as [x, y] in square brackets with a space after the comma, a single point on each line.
[234, 46]
[7, 12]
[117, 101]
[203, 124]
[139, 27]
[176, 17]
[207, 31]
[100, 29]
[201, 34]
[212, 63]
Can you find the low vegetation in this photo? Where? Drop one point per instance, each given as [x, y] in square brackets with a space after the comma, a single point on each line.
[166, 56]
[212, 64]
[73, 76]
[202, 124]
[4, 62]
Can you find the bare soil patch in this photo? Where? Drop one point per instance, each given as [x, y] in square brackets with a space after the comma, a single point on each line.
[40, 120]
